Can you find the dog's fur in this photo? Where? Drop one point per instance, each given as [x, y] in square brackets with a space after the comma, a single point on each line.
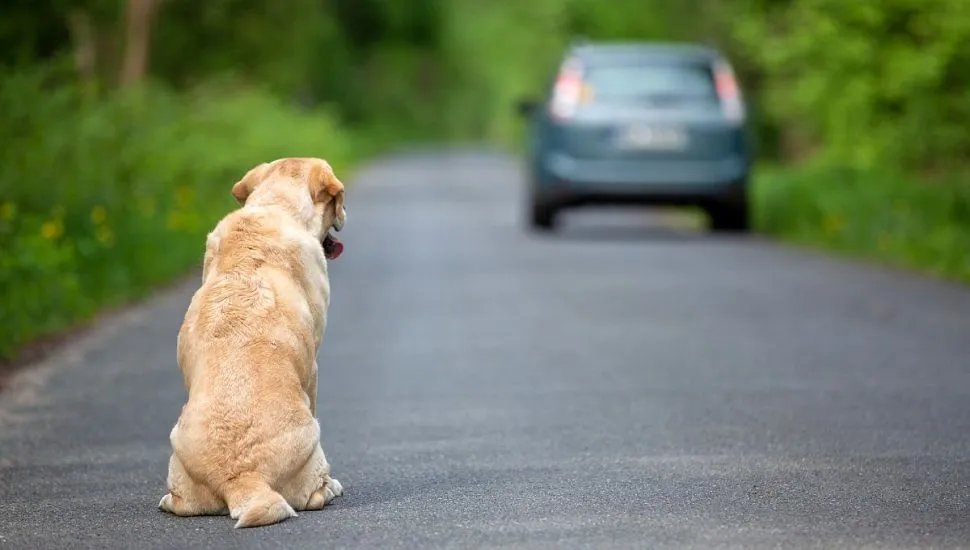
[247, 442]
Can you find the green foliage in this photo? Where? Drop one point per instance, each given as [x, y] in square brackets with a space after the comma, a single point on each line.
[101, 201]
[870, 84]
[258, 41]
[878, 215]
[872, 97]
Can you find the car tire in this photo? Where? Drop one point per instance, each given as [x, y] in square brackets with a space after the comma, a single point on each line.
[730, 218]
[542, 215]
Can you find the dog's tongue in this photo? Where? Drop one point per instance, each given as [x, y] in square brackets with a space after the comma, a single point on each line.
[335, 248]
[338, 248]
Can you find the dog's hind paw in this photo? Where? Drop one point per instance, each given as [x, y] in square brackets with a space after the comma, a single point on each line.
[335, 488]
[324, 496]
[166, 503]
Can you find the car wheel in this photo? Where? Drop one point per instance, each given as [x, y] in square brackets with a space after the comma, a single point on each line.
[542, 215]
[730, 218]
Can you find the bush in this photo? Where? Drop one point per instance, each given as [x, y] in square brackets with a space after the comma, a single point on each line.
[864, 84]
[102, 200]
[886, 217]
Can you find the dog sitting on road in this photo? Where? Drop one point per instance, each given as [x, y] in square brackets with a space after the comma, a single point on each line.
[247, 442]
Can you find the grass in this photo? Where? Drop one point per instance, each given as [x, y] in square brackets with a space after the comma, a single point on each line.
[103, 200]
[876, 216]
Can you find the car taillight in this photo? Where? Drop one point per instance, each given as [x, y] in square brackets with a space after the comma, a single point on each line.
[568, 91]
[728, 92]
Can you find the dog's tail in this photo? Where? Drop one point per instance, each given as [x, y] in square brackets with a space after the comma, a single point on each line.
[254, 503]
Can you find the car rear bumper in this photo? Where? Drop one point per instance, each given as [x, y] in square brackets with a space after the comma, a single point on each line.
[570, 180]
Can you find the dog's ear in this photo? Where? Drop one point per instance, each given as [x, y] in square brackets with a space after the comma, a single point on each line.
[244, 187]
[339, 213]
[326, 187]
[324, 184]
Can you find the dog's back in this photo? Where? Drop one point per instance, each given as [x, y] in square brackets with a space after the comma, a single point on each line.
[245, 348]
[247, 442]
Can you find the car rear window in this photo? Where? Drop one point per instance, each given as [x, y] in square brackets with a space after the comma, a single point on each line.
[631, 82]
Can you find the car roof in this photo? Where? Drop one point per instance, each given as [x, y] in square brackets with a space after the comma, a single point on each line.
[643, 51]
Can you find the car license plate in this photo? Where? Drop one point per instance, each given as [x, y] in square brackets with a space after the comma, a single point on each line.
[653, 138]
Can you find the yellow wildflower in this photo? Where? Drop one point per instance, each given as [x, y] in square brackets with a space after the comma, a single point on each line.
[8, 211]
[105, 236]
[833, 224]
[98, 215]
[51, 229]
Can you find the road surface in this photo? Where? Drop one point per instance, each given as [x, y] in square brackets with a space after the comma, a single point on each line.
[621, 385]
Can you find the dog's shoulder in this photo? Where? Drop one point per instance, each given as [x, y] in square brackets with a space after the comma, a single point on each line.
[251, 238]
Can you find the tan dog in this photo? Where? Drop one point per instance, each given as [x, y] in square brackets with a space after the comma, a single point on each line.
[248, 442]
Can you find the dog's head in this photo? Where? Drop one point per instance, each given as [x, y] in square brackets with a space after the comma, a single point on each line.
[309, 183]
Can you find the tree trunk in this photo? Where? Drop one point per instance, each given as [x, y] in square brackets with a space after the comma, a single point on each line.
[138, 22]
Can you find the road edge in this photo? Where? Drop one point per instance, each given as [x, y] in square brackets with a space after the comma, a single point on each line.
[31, 367]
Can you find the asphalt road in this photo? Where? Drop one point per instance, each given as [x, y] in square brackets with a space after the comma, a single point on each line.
[621, 385]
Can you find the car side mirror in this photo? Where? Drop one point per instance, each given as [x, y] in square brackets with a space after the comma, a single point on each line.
[526, 107]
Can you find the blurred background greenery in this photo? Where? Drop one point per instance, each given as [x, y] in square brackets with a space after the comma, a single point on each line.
[124, 122]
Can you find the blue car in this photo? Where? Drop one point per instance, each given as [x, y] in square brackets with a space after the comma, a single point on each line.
[640, 124]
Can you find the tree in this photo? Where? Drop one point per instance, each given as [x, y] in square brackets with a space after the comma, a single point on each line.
[139, 16]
